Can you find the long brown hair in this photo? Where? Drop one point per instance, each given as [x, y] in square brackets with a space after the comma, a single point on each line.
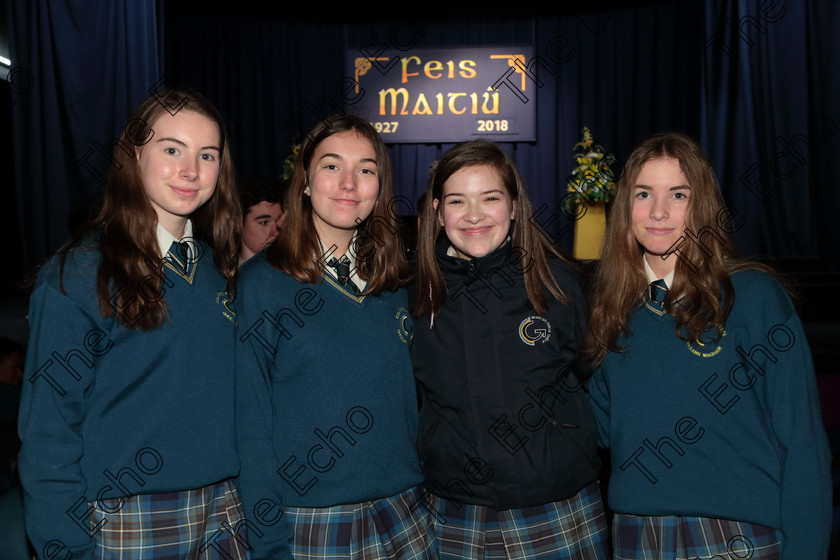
[431, 287]
[703, 267]
[131, 261]
[296, 249]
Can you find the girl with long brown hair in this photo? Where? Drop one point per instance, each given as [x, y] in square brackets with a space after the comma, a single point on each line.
[327, 410]
[131, 344]
[704, 390]
[507, 441]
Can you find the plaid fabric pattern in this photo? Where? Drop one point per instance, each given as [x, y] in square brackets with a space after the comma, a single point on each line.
[568, 529]
[692, 538]
[192, 525]
[388, 529]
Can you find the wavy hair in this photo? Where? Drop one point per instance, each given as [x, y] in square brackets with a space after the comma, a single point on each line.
[131, 262]
[380, 257]
[705, 257]
[431, 288]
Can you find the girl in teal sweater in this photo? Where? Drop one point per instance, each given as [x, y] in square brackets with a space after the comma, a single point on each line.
[131, 347]
[704, 391]
[326, 406]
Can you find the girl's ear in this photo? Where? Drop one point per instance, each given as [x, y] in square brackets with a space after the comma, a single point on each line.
[435, 203]
[513, 210]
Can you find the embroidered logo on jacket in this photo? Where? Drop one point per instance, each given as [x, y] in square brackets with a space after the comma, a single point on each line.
[534, 329]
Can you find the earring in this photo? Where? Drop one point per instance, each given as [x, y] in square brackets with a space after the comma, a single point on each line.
[306, 191]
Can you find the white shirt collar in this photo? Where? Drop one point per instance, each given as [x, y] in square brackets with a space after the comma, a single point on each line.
[165, 239]
[651, 275]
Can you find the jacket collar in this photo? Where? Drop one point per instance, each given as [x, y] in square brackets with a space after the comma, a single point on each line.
[457, 266]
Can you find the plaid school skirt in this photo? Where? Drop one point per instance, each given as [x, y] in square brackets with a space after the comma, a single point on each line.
[392, 528]
[688, 538]
[568, 529]
[201, 524]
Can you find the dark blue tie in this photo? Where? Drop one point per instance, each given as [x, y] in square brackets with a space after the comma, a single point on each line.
[657, 292]
[342, 271]
[180, 256]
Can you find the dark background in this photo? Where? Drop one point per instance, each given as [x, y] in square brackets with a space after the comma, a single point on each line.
[755, 82]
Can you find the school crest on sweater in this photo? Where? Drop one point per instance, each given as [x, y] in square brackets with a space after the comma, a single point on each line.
[705, 345]
[406, 326]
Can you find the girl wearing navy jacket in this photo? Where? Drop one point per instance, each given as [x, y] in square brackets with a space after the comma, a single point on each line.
[705, 391]
[327, 410]
[507, 438]
[131, 344]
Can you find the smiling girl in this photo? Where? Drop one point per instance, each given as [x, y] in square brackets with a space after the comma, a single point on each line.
[705, 391]
[131, 341]
[327, 410]
[507, 438]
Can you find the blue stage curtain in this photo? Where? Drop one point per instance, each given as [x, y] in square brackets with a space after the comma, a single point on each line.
[754, 82]
[89, 63]
[770, 122]
[274, 77]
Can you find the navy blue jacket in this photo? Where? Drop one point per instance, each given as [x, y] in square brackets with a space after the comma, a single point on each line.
[504, 421]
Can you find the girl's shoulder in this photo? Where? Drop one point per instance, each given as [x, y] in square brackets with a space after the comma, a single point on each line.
[257, 275]
[564, 268]
[756, 283]
[757, 290]
[74, 263]
[568, 276]
[257, 268]
[251, 271]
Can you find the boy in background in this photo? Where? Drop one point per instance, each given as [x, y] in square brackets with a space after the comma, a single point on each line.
[262, 215]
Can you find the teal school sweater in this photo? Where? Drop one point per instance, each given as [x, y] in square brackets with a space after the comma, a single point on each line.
[726, 430]
[109, 412]
[327, 410]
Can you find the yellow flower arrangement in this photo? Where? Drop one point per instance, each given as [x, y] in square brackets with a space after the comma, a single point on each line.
[592, 180]
[289, 162]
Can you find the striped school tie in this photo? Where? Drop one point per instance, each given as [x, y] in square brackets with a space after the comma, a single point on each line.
[657, 292]
[342, 272]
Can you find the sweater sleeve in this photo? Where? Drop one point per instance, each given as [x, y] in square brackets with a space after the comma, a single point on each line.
[805, 468]
[269, 533]
[599, 398]
[65, 338]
